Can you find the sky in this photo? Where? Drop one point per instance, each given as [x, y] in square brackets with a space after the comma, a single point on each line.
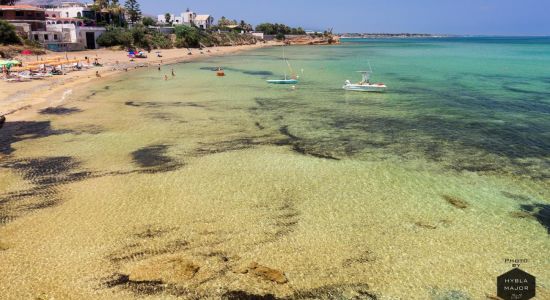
[470, 17]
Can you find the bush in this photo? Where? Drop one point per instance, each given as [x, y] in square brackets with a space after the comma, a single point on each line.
[140, 37]
[280, 36]
[161, 41]
[148, 21]
[115, 37]
[188, 37]
[8, 35]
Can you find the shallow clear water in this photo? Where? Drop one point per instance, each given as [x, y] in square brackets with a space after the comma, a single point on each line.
[423, 190]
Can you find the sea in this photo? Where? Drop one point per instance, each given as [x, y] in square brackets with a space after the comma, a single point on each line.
[425, 191]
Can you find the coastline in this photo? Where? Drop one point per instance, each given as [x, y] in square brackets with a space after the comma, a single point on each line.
[215, 188]
[21, 99]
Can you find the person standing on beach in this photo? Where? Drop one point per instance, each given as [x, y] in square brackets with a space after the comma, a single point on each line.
[159, 67]
[173, 74]
[2, 121]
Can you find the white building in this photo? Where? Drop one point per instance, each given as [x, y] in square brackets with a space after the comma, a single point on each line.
[175, 20]
[204, 21]
[68, 35]
[188, 18]
[70, 10]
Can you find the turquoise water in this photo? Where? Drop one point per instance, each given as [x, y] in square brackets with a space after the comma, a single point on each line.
[420, 192]
[474, 104]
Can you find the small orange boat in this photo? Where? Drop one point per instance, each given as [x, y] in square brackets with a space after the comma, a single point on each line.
[220, 72]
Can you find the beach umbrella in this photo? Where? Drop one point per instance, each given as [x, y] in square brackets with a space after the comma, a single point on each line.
[9, 63]
[26, 52]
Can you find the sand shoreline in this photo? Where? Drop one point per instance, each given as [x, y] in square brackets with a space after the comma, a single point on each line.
[20, 100]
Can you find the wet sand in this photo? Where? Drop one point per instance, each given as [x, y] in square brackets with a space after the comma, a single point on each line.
[22, 96]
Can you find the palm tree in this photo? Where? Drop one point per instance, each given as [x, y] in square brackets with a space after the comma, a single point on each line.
[116, 11]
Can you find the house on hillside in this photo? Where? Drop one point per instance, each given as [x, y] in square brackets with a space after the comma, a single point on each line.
[56, 33]
[70, 10]
[25, 18]
[187, 18]
[204, 21]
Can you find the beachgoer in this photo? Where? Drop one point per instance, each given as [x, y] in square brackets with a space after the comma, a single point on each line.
[2, 121]
[97, 74]
[165, 77]
[159, 67]
[173, 74]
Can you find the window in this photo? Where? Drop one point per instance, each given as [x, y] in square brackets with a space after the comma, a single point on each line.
[1, 13]
[36, 37]
[46, 37]
[67, 13]
[55, 37]
[19, 13]
[53, 15]
[79, 15]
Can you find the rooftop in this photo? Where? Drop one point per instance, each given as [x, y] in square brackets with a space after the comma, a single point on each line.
[202, 17]
[20, 7]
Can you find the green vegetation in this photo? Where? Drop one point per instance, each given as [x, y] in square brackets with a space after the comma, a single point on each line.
[187, 37]
[115, 36]
[138, 36]
[224, 24]
[133, 11]
[148, 21]
[8, 35]
[276, 29]
[168, 18]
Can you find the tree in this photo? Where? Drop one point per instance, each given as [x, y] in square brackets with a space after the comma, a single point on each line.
[187, 36]
[8, 35]
[148, 21]
[223, 22]
[133, 10]
[168, 18]
[8, 2]
[115, 36]
[101, 4]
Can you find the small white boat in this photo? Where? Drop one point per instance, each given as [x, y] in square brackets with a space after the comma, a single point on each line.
[293, 79]
[282, 81]
[364, 85]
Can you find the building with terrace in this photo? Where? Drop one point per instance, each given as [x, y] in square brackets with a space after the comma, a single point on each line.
[25, 18]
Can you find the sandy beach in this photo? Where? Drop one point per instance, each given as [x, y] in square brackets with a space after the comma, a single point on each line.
[19, 100]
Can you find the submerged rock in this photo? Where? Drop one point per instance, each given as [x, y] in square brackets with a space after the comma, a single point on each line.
[455, 201]
[263, 272]
[242, 295]
[3, 246]
[425, 225]
[163, 270]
